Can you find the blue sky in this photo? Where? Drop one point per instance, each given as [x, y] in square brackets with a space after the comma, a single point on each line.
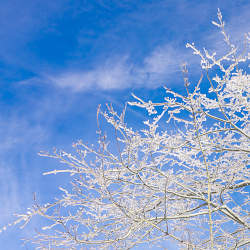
[60, 59]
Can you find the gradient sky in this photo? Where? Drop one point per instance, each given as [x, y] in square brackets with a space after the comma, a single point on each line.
[59, 59]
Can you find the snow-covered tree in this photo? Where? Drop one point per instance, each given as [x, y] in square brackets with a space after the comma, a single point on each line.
[182, 178]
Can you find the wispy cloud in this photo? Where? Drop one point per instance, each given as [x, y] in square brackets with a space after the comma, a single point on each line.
[112, 74]
[18, 138]
[10, 196]
[120, 72]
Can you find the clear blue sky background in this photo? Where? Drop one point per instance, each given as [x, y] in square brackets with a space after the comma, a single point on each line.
[59, 59]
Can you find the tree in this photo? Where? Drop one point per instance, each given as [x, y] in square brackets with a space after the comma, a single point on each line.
[183, 177]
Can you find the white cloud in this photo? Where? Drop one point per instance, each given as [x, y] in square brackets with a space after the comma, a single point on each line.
[20, 142]
[162, 63]
[113, 74]
[10, 195]
[161, 59]
[15, 132]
